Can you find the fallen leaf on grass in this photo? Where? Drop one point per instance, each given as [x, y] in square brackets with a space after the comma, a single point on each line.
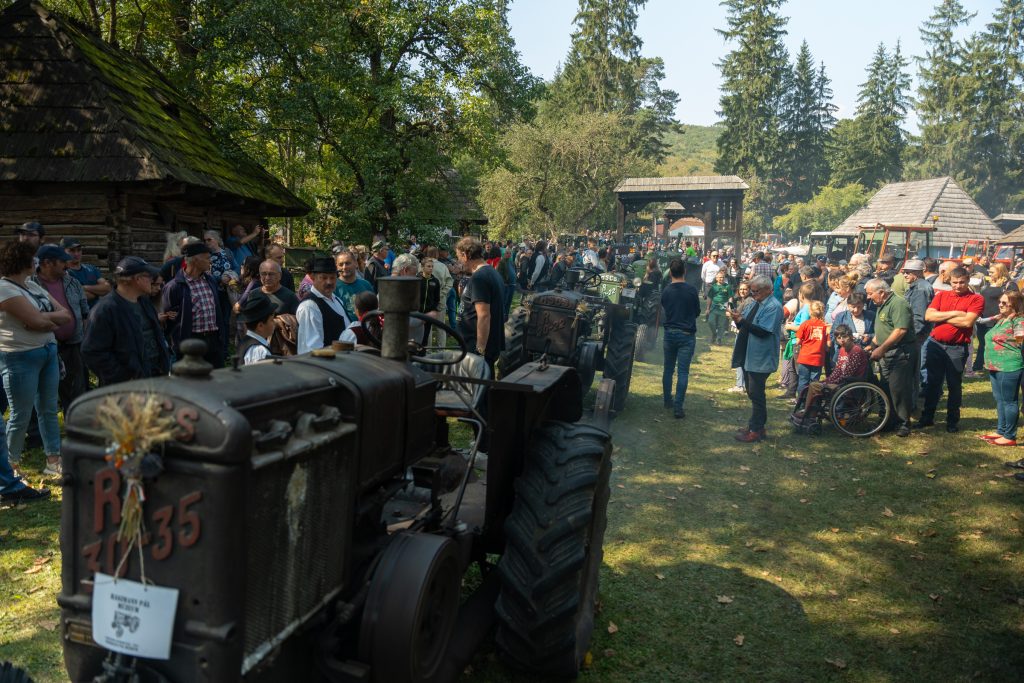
[894, 631]
[660, 577]
[935, 596]
[724, 599]
[35, 569]
[588, 659]
[922, 452]
[609, 652]
[887, 512]
[34, 589]
[643, 431]
[916, 556]
[804, 500]
[619, 486]
[738, 640]
[930, 474]
[49, 624]
[735, 506]
[657, 419]
[612, 628]
[900, 539]
[836, 662]
[834, 530]
[671, 497]
[833, 593]
[928, 533]
[697, 486]
[861, 492]
[744, 468]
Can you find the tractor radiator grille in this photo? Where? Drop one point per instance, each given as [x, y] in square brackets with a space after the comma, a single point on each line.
[299, 517]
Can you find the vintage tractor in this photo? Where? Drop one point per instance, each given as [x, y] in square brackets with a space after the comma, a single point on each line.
[312, 531]
[590, 324]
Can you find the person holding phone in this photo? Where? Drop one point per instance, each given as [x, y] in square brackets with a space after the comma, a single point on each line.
[1005, 366]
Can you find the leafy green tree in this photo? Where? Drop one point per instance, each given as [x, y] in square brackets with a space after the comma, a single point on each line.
[807, 116]
[941, 92]
[824, 211]
[560, 174]
[605, 73]
[752, 87]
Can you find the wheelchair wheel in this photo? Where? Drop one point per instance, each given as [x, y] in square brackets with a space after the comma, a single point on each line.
[860, 409]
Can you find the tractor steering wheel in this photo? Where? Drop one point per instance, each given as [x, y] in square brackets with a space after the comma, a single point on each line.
[417, 350]
[587, 274]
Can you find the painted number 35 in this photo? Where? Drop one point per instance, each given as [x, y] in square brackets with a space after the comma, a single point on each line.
[168, 526]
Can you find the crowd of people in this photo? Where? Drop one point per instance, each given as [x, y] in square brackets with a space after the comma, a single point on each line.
[920, 329]
[65, 327]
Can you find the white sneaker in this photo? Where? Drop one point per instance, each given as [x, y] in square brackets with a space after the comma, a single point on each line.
[53, 469]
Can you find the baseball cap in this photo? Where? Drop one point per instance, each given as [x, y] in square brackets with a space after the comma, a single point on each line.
[134, 265]
[31, 226]
[52, 252]
[194, 249]
[70, 243]
[378, 245]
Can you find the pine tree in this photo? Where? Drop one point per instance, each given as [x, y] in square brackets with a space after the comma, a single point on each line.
[1004, 40]
[943, 91]
[881, 110]
[806, 118]
[605, 73]
[753, 75]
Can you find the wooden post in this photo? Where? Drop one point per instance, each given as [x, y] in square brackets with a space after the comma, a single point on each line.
[738, 222]
[620, 219]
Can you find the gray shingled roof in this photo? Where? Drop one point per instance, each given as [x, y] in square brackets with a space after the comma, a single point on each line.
[916, 201]
[1014, 236]
[700, 183]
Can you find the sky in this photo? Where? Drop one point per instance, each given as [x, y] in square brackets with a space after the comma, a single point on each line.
[844, 35]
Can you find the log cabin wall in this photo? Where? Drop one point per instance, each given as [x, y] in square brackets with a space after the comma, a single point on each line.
[110, 222]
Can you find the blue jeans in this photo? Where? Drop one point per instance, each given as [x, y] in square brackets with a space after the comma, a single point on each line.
[805, 374]
[9, 481]
[30, 380]
[451, 305]
[1005, 387]
[679, 348]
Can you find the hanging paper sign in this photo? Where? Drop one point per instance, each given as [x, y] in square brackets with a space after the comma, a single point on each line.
[132, 618]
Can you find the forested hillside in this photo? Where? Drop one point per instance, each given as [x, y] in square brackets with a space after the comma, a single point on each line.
[691, 151]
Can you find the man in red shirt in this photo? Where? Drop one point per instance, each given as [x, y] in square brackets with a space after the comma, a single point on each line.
[952, 314]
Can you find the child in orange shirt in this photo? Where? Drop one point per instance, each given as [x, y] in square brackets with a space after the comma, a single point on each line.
[813, 338]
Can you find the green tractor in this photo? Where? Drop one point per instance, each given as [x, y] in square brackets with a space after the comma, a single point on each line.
[589, 321]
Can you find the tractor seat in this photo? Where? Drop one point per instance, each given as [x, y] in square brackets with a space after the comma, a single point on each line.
[460, 399]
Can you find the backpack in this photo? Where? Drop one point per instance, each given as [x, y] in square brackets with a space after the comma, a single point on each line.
[285, 340]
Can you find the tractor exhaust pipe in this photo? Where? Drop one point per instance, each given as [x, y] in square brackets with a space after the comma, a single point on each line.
[397, 297]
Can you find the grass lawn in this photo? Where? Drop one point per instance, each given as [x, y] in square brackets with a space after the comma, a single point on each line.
[797, 559]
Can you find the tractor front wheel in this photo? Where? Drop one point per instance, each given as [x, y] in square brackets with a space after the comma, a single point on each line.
[555, 537]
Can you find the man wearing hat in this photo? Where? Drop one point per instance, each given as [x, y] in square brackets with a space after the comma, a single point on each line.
[918, 294]
[201, 314]
[376, 266]
[92, 281]
[31, 232]
[52, 276]
[124, 340]
[321, 315]
[257, 313]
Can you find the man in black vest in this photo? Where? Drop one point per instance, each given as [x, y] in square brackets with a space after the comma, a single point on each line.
[258, 315]
[321, 316]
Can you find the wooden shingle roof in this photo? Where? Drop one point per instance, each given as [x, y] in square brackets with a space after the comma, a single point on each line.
[76, 109]
[688, 183]
[917, 201]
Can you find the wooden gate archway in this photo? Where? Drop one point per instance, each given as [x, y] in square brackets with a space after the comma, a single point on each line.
[716, 200]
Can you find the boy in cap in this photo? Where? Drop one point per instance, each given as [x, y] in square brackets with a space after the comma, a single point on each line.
[257, 313]
[124, 340]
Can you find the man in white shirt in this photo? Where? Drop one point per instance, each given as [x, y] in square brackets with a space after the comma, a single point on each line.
[709, 270]
[590, 254]
[258, 315]
[321, 316]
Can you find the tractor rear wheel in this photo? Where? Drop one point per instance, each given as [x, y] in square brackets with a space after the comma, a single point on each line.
[618, 360]
[514, 353]
[13, 674]
[554, 548]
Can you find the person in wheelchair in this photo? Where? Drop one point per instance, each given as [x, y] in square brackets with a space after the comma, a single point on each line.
[851, 365]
